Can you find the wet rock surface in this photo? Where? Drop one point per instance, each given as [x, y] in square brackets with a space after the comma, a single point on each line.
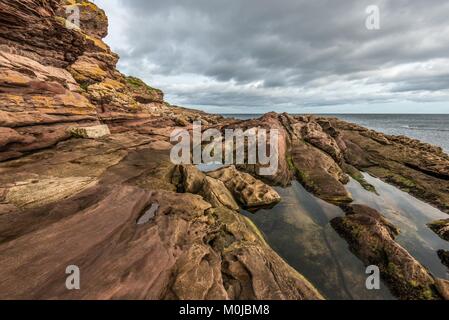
[444, 257]
[371, 238]
[441, 228]
[443, 288]
[319, 173]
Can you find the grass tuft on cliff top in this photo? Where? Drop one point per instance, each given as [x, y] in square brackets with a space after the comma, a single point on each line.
[137, 84]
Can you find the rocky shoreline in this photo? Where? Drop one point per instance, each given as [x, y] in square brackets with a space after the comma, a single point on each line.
[85, 155]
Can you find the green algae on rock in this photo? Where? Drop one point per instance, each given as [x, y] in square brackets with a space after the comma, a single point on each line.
[441, 228]
[371, 238]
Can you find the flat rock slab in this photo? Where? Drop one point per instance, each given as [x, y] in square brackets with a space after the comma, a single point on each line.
[93, 132]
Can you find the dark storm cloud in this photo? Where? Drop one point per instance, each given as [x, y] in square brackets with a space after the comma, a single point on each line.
[265, 52]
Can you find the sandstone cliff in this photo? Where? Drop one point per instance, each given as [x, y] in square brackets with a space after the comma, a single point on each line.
[54, 76]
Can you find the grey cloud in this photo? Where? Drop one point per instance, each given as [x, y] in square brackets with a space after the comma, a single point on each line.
[434, 83]
[306, 49]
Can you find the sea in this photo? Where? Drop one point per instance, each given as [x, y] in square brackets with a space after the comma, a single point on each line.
[430, 128]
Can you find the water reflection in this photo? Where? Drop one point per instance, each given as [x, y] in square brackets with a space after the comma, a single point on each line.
[298, 229]
[411, 216]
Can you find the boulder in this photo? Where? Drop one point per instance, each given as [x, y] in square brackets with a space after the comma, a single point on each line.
[189, 179]
[250, 192]
[319, 173]
[216, 193]
[93, 132]
[444, 257]
[441, 228]
[314, 134]
[443, 288]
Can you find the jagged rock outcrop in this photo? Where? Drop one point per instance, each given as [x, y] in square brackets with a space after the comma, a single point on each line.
[444, 257]
[189, 179]
[443, 288]
[306, 150]
[269, 121]
[217, 194]
[319, 173]
[371, 238]
[225, 187]
[29, 29]
[93, 20]
[441, 228]
[313, 133]
[248, 191]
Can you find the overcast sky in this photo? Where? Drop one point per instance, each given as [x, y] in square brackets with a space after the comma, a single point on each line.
[254, 56]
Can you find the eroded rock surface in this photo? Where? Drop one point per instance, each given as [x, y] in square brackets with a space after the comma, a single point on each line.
[248, 191]
[79, 201]
[371, 238]
[441, 228]
[189, 179]
[93, 132]
[319, 173]
[270, 121]
[443, 288]
[444, 257]
[187, 250]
